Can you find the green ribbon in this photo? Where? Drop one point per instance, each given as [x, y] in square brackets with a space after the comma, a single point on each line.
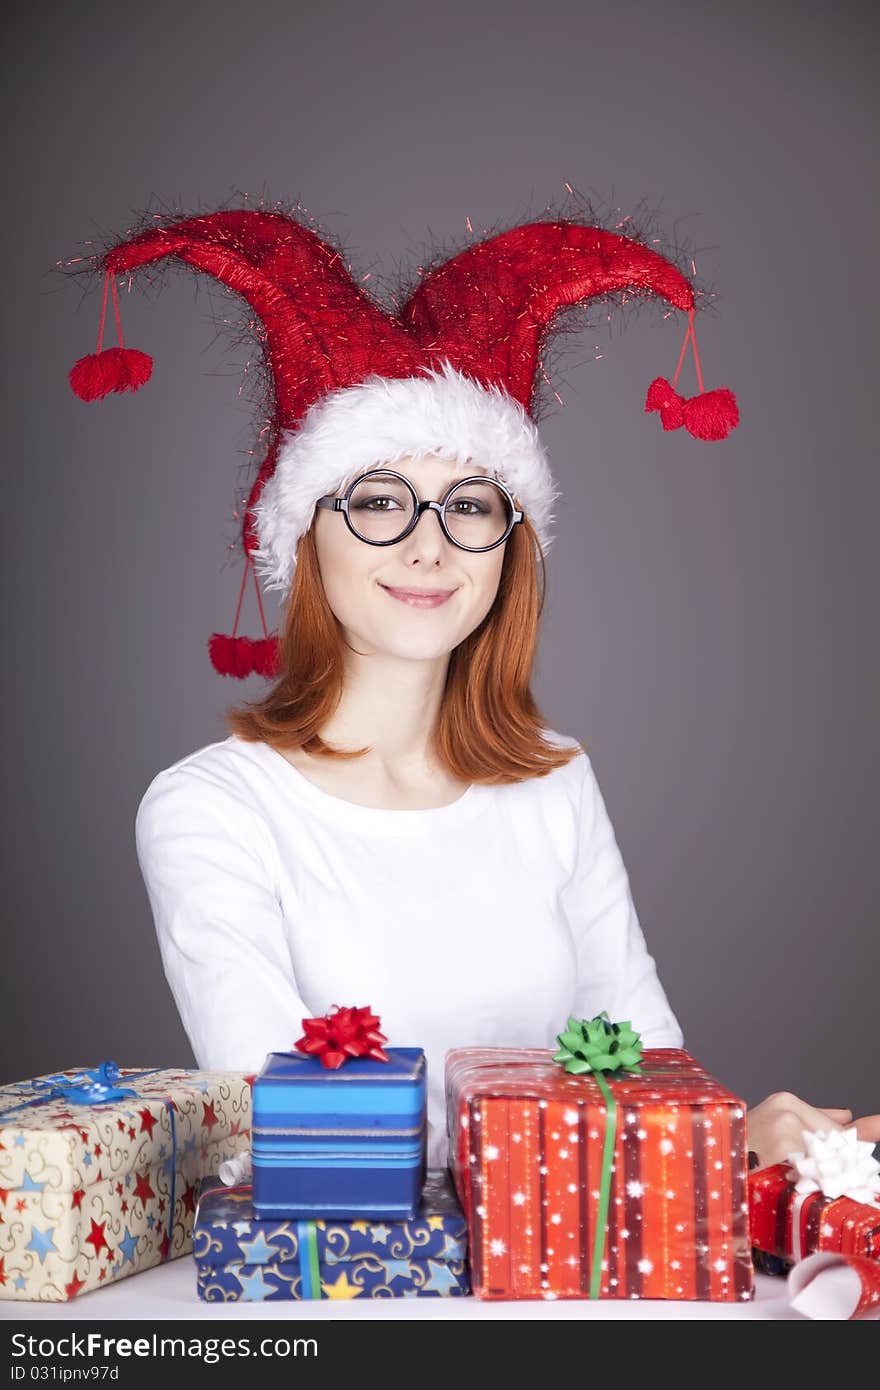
[307, 1232]
[604, 1186]
[595, 1046]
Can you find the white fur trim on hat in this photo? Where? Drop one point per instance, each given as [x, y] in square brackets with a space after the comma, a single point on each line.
[381, 421]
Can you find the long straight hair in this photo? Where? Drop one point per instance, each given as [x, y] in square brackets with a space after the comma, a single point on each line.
[489, 728]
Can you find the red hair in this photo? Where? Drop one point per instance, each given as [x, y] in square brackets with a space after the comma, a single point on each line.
[489, 728]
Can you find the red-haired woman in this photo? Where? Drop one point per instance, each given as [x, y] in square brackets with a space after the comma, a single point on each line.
[393, 823]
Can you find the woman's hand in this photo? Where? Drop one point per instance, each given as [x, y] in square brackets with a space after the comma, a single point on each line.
[775, 1127]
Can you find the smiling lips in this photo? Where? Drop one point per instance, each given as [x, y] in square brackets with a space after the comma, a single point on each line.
[419, 598]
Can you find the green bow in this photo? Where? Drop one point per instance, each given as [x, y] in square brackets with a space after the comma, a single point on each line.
[597, 1044]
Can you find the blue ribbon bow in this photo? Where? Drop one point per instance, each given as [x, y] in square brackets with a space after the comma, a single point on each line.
[95, 1087]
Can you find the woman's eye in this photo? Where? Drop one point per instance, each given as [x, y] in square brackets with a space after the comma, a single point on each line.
[368, 505]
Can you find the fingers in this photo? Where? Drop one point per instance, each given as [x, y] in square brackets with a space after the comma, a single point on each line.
[868, 1127]
[776, 1126]
[811, 1118]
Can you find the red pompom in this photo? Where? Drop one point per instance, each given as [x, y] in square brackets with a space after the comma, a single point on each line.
[663, 397]
[115, 369]
[139, 366]
[218, 644]
[265, 654]
[230, 656]
[712, 415]
[242, 657]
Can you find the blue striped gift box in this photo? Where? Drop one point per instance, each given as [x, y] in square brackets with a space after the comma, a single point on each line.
[342, 1143]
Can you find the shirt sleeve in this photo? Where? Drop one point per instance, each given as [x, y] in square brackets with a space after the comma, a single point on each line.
[615, 972]
[207, 863]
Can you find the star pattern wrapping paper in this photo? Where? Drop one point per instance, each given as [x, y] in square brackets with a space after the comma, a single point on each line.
[90, 1193]
[787, 1225]
[527, 1141]
[243, 1257]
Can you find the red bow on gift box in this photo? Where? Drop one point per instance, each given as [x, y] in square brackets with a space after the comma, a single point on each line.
[341, 1034]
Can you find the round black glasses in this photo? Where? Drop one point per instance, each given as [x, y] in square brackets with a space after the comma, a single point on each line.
[382, 507]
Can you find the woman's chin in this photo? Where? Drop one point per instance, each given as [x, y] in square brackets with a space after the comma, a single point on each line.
[416, 647]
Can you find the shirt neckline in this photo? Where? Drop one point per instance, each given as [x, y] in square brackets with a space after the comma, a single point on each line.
[336, 808]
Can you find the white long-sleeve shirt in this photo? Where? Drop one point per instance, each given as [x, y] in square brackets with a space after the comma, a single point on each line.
[487, 921]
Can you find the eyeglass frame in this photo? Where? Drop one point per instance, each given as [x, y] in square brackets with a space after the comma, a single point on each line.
[340, 504]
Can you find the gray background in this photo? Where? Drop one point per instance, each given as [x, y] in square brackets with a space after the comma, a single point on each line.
[711, 621]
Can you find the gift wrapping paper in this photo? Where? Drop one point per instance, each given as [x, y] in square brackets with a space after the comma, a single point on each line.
[787, 1225]
[241, 1256]
[342, 1142]
[90, 1193]
[570, 1196]
[829, 1285]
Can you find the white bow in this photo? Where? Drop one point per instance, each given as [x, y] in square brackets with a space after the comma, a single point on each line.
[837, 1163]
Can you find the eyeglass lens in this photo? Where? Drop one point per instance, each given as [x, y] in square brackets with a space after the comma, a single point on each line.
[381, 508]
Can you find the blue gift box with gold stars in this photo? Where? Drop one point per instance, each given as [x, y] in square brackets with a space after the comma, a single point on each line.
[241, 1256]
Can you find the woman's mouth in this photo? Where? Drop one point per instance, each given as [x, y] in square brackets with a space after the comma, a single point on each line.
[419, 598]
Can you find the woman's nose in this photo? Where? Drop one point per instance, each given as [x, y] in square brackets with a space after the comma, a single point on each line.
[427, 536]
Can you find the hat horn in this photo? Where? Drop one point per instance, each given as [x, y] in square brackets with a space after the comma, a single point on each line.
[291, 278]
[488, 308]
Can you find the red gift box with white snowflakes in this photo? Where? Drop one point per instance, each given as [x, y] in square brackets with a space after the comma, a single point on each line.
[99, 1171]
[790, 1225]
[569, 1195]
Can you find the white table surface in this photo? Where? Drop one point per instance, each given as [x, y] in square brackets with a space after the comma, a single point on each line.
[169, 1291]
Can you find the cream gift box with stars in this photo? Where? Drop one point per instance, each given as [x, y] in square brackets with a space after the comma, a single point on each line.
[99, 1172]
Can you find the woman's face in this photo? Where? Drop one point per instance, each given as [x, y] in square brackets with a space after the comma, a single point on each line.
[357, 577]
